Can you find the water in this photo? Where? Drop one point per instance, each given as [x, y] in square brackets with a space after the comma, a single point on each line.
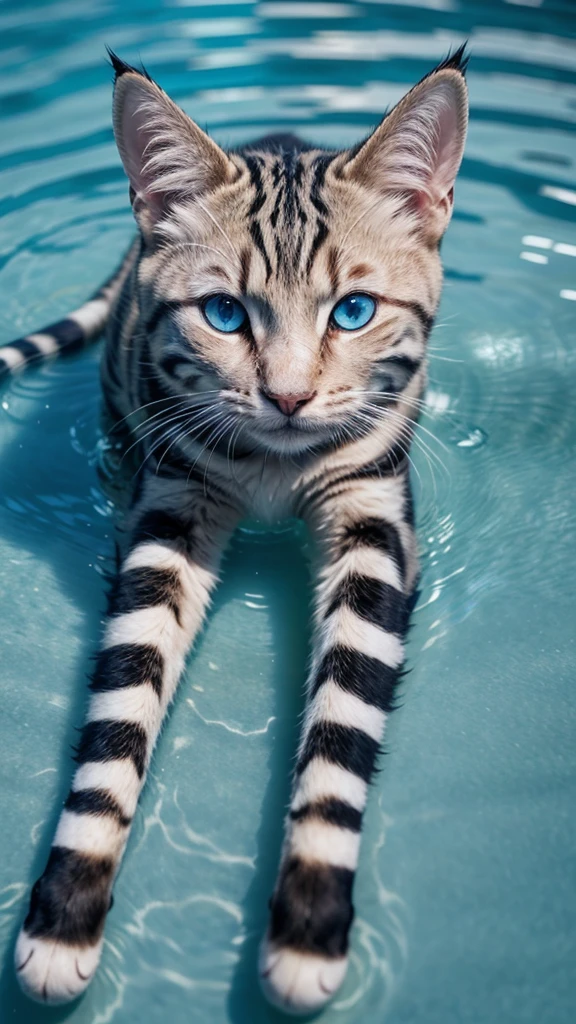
[465, 897]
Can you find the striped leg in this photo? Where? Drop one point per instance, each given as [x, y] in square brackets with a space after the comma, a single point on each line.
[362, 611]
[157, 605]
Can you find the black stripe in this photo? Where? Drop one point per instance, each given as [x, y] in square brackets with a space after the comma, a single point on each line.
[253, 165]
[375, 533]
[164, 308]
[109, 740]
[311, 909]
[161, 526]
[426, 319]
[319, 239]
[256, 236]
[28, 349]
[322, 231]
[70, 901]
[374, 601]
[68, 334]
[393, 463]
[365, 677]
[145, 588]
[97, 802]
[126, 665]
[399, 370]
[342, 745]
[333, 811]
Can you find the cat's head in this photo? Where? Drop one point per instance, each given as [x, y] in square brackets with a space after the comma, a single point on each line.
[294, 286]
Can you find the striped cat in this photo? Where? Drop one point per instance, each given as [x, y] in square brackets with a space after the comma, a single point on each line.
[266, 345]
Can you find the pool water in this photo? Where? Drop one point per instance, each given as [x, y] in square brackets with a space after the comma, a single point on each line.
[465, 898]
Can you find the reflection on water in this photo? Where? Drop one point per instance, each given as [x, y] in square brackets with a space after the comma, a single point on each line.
[464, 911]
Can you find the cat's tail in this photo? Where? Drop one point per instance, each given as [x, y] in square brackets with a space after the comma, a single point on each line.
[76, 330]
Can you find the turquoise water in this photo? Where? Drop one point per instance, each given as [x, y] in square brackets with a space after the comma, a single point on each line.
[466, 898]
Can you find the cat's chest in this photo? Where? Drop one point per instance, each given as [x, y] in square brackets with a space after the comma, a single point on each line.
[266, 488]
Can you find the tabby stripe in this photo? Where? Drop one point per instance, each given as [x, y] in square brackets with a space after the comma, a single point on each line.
[379, 534]
[120, 778]
[426, 319]
[112, 741]
[368, 679]
[373, 601]
[345, 627]
[399, 370]
[128, 665]
[69, 902]
[364, 561]
[303, 921]
[332, 810]
[258, 203]
[145, 587]
[97, 802]
[350, 748]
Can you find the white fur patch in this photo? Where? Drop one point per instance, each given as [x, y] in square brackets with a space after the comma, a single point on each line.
[91, 317]
[153, 555]
[322, 843]
[347, 628]
[156, 626]
[98, 835]
[12, 357]
[138, 704]
[321, 779]
[46, 344]
[333, 704]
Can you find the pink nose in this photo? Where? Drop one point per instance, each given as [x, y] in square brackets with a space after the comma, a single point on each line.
[289, 403]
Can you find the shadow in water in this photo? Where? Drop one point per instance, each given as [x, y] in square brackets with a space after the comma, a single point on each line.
[289, 620]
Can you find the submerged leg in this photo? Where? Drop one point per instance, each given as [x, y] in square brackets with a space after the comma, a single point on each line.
[157, 605]
[362, 608]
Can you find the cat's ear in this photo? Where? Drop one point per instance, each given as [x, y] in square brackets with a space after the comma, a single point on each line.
[416, 151]
[166, 156]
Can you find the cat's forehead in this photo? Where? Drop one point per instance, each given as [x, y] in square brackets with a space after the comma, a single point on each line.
[290, 232]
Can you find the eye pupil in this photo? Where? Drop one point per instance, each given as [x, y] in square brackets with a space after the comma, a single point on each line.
[225, 310]
[354, 311]
[224, 313]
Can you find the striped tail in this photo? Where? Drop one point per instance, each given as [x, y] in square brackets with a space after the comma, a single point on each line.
[83, 325]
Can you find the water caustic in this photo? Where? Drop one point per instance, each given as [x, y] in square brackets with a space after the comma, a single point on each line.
[465, 904]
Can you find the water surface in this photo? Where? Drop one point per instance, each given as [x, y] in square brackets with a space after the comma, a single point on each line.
[465, 897]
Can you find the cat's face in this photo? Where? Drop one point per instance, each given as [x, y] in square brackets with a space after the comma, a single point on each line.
[295, 290]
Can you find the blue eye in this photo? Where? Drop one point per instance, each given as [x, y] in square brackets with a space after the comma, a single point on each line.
[354, 311]
[224, 313]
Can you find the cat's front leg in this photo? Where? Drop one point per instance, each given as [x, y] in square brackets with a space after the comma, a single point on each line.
[157, 605]
[366, 580]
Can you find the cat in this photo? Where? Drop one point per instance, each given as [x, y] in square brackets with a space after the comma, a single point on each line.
[266, 353]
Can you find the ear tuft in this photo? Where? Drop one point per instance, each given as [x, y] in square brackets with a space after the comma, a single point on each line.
[457, 61]
[122, 68]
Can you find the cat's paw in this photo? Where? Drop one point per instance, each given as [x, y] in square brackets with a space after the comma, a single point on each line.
[52, 972]
[299, 982]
